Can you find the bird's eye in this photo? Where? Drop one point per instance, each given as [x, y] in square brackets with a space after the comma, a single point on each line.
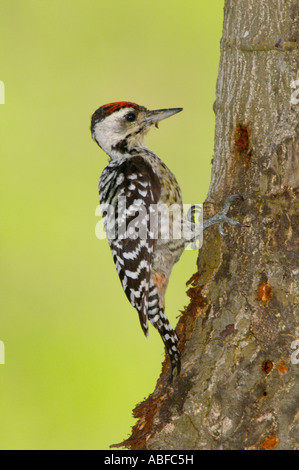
[130, 117]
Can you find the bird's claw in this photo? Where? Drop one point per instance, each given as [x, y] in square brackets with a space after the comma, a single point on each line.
[231, 222]
[221, 216]
[227, 203]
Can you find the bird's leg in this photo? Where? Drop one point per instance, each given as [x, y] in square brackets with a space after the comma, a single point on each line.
[221, 216]
[196, 229]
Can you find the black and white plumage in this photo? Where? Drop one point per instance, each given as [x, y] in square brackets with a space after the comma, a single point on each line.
[134, 185]
[134, 190]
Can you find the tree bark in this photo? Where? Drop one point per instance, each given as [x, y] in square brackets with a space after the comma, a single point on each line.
[238, 387]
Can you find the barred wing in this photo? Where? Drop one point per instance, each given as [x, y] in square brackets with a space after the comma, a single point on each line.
[127, 193]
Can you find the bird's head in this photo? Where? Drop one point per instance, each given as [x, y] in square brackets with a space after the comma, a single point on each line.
[120, 127]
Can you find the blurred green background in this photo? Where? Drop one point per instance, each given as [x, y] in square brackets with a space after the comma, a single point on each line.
[76, 359]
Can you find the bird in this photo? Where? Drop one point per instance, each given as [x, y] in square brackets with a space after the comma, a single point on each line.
[142, 209]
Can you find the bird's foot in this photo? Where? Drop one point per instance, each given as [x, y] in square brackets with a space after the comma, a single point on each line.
[221, 216]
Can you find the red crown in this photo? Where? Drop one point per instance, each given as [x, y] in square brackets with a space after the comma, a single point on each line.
[112, 107]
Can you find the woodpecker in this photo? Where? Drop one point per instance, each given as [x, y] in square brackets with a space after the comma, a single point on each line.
[137, 181]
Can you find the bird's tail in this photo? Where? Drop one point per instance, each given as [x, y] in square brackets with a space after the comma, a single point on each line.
[159, 320]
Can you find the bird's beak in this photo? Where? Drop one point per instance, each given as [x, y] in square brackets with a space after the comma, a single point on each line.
[153, 117]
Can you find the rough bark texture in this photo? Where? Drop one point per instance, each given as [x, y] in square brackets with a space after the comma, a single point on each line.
[239, 388]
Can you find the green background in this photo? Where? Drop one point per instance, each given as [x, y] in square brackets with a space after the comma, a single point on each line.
[76, 359]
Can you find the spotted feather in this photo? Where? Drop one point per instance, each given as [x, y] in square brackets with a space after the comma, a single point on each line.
[130, 188]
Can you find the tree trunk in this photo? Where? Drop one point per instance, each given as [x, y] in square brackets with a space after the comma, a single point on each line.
[238, 387]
